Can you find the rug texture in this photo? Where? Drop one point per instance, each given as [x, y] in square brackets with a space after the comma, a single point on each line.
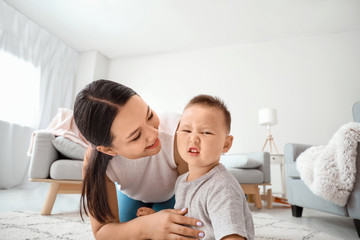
[31, 226]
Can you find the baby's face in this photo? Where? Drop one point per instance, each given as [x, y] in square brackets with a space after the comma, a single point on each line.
[202, 136]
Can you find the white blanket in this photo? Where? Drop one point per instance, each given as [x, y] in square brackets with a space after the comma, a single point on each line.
[329, 171]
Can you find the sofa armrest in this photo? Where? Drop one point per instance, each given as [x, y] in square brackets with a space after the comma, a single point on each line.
[264, 158]
[43, 155]
[291, 152]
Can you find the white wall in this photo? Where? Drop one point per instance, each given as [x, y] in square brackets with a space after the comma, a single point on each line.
[92, 66]
[312, 82]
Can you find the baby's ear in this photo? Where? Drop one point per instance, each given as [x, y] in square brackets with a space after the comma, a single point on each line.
[228, 143]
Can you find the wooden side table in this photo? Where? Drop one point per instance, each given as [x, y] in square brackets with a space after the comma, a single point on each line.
[278, 175]
[253, 192]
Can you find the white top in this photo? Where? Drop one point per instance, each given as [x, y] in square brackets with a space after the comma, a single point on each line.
[152, 178]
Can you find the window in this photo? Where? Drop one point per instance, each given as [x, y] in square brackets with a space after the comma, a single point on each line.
[19, 91]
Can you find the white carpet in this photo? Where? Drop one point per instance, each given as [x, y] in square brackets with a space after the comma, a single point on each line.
[269, 227]
[31, 226]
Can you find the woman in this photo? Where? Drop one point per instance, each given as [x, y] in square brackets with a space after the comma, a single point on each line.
[126, 154]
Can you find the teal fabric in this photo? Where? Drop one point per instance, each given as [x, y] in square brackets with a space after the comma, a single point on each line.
[128, 206]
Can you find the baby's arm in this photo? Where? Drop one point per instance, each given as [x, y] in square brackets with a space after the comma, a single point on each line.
[233, 237]
[143, 211]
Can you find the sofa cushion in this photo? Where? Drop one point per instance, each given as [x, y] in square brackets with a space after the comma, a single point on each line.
[239, 161]
[249, 176]
[65, 169]
[69, 148]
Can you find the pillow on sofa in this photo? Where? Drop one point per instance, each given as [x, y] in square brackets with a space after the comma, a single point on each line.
[68, 148]
[239, 161]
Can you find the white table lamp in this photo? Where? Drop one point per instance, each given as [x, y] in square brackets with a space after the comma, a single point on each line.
[268, 118]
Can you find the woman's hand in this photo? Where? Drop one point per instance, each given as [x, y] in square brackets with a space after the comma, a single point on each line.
[143, 211]
[233, 237]
[171, 224]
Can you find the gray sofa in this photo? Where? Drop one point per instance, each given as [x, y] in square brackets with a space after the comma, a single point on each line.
[252, 171]
[58, 161]
[300, 196]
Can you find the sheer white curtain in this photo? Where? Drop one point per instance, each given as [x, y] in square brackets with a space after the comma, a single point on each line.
[58, 62]
[19, 89]
[58, 66]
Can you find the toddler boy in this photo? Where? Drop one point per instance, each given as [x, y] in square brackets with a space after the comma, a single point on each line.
[208, 190]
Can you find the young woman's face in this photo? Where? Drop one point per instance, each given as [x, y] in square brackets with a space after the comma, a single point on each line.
[135, 130]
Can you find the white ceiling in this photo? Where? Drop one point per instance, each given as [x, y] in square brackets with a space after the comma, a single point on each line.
[122, 28]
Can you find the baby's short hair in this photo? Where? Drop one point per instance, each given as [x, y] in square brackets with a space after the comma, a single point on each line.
[214, 102]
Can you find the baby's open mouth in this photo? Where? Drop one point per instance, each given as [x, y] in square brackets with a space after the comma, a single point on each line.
[193, 151]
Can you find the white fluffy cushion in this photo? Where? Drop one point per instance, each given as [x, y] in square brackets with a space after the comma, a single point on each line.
[68, 148]
[239, 161]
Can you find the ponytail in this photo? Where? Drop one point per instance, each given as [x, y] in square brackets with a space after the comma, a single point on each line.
[94, 198]
[95, 109]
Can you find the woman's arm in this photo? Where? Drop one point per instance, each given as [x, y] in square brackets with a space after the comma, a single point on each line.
[166, 224]
[233, 237]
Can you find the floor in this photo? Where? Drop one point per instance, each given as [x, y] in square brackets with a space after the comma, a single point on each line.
[31, 198]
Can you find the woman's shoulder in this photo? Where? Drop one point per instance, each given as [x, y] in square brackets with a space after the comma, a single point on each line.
[169, 115]
[169, 121]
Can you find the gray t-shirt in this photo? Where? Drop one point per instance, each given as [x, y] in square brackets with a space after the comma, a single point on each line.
[218, 200]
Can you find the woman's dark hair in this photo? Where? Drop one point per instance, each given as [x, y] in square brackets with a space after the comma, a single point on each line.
[95, 108]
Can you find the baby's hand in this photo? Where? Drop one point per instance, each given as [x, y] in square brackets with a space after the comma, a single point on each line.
[143, 211]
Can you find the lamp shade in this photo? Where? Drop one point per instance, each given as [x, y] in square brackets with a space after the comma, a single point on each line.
[267, 117]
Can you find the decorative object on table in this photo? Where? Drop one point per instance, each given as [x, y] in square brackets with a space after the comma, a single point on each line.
[268, 118]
